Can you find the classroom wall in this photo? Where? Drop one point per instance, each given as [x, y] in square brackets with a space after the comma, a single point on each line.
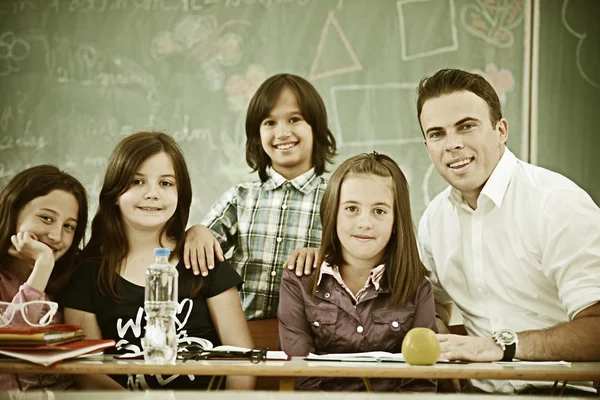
[76, 76]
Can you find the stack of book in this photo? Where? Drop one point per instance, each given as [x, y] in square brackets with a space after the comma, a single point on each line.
[48, 345]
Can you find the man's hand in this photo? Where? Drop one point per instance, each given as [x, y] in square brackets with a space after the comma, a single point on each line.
[26, 246]
[200, 250]
[302, 260]
[469, 348]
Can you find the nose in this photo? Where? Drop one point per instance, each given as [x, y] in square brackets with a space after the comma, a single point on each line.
[364, 220]
[453, 141]
[55, 233]
[151, 192]
[282, 130]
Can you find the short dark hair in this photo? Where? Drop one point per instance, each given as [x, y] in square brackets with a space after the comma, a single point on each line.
[447, 81]
[108, 232]
[313, 110]
[28, 185]
[404, 271]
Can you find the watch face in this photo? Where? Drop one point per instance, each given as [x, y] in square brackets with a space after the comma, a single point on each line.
[506, 336]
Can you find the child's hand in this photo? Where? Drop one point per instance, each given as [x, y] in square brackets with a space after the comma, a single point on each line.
[200, 250]
[303, 259]
[26, 246]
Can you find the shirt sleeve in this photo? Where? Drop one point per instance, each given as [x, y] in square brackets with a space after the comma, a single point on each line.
[295, 338]
[426, 255]
[223, 277]
[570, 243]
[222, 219]
[79, 292]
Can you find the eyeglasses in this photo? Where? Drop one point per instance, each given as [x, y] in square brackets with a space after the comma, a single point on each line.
[196, 352]
[34, 313]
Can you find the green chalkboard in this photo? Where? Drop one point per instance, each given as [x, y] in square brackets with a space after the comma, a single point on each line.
[569, 91]
[78, 75]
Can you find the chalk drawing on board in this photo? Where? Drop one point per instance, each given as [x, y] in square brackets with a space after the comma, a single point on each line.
[501, 80]
[205, 42]
[362, 94]
[447, 29]
[493, 21]
[353, 64]
[582, 37]
[13, 50]
[240, 88]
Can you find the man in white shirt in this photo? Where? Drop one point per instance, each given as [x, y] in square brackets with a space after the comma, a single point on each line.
[514, 246]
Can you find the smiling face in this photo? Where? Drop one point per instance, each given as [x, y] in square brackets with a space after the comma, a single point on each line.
[365, 219]
[151, 200]
[461, 141]
[286, 137]
[52, 219]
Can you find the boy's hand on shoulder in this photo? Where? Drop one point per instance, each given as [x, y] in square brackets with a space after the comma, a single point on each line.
[303, 260]
[200, 250]
[26, 246]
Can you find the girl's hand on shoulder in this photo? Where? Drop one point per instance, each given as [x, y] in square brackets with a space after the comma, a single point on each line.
[26, 246]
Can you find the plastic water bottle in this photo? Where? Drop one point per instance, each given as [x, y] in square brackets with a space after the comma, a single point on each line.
[160, 304]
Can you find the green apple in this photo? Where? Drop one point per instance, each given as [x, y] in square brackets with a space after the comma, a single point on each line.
[421, 347]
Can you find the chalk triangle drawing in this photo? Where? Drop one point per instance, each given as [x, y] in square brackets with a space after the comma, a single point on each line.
[355, 66]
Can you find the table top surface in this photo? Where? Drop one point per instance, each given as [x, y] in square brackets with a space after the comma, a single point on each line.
[297, 367]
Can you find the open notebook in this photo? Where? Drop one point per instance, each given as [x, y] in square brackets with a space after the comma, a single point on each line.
[371, 356]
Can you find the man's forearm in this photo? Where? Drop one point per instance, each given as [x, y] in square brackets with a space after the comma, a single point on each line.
[575, 340]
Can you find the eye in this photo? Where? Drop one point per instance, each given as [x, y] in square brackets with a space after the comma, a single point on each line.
[295, 119]
[268, 122]
[70, 227]
[137, 181]
[47, 219]
[166, 183]
[380, 211]
[435, 135]
[467, 127]
[352, 208]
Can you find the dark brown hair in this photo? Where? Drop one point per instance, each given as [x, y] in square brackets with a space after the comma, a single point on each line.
[313, 110]
[28, 185]
[404, 271]
[447, 81]
[109, 240]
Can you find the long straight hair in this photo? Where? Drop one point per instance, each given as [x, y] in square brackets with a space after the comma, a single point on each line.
[109, 240]
[28, 185]
[404, 270]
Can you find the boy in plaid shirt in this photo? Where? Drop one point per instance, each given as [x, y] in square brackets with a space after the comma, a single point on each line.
[289, 144]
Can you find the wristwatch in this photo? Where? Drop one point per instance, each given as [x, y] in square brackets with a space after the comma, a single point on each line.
[507, 340]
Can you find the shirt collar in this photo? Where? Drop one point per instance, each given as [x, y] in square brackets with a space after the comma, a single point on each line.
[496, 185]
[374, 276]
[306, 183]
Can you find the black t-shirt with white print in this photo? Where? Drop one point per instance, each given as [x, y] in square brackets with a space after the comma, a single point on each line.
[124, 321]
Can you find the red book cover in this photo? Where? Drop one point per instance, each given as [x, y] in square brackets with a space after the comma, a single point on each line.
[37, 335]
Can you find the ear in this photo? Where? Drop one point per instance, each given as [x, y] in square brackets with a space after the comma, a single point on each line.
[502, 127]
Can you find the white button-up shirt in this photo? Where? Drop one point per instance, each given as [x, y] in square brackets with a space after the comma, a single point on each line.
[527, 258]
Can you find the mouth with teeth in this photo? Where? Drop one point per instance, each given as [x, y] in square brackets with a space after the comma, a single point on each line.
[285, 146]
[150, 209]
[460, 165]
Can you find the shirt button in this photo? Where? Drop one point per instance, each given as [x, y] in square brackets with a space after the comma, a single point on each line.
[316, 324]
[327, 295]
[279, 240]
[360, 329]
[395, 324]
[273, 273]
[284, 207]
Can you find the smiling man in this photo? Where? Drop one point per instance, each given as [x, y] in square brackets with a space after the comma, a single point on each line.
[516, 247]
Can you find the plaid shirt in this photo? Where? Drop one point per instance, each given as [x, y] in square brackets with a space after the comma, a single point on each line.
[264, 222]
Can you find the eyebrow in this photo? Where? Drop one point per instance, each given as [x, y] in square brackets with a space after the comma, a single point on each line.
[51, 211]
[379, 203]
[458, 123]
[161, 176]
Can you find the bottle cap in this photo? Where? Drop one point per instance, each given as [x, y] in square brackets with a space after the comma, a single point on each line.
[160, 251]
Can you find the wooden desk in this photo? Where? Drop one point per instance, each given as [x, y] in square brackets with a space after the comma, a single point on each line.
[287, 371]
